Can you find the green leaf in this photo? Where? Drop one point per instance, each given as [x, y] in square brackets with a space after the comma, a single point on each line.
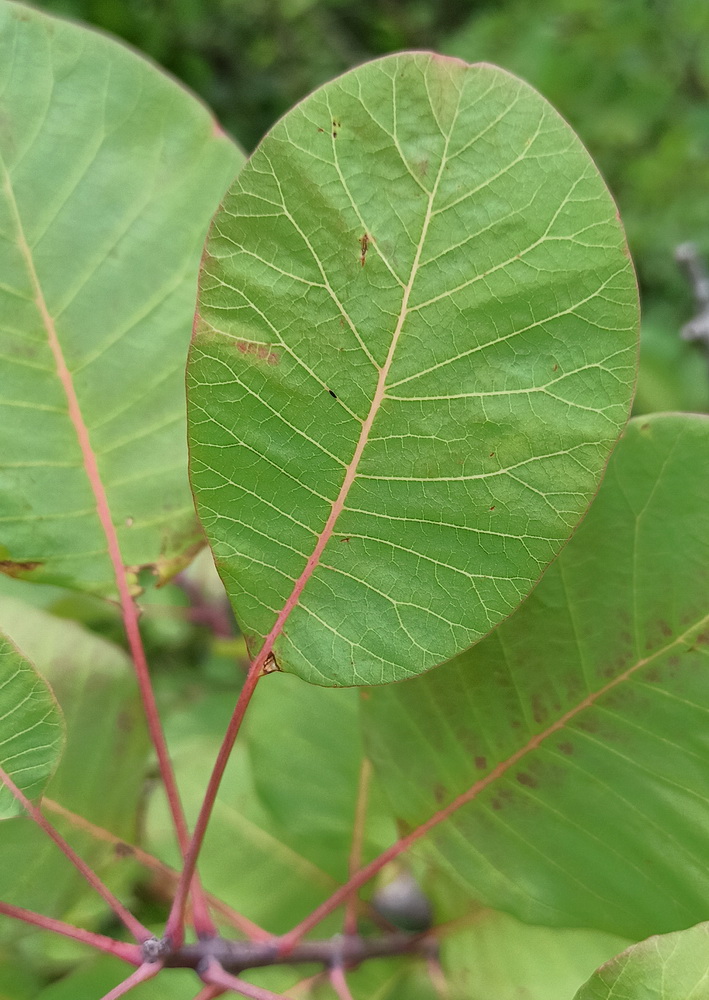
[497, 956]
[437, 409]
[312, 801]
[109, 173]
[575, 735]
[671, 967]
[245, 847]
[32, 729]
[98, 977]
[100, 775]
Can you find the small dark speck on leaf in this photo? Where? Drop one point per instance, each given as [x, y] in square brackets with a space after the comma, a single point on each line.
[122, 850]
[481, 763]
[493, 507]
[527, 779]
[555, 368]
[332, 393]
[345, 539]
[439, 793]
[566, 748]
[492, 454]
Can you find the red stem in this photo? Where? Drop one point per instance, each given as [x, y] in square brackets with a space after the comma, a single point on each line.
[175, 922]
[215, 975]
[339, 983]
[124, 849]
[138, 930]
[203, 922]
[130, 953]
[146, 971]
[289, 940]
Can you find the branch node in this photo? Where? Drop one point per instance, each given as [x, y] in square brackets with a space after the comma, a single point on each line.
[155, 949]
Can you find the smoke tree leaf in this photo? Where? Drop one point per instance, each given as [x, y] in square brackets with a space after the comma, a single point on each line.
[570, 762]
[668, 967]
[31, 731]
[414, 350]
[109, 173]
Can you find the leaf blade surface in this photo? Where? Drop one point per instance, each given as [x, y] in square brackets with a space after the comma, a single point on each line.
[415, 348]
[109, 173]
[567, 750]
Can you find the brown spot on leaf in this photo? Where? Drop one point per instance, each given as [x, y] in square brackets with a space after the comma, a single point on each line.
[122, 850]
[260, 351]
[566, 748]
[270, 666]
[15, 569]
[439, 794]
[527, 779]
[481, 763]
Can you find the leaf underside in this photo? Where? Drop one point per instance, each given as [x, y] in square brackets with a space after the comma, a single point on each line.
[31, 728]
[415, 348]
[575, 735]
[109, 173]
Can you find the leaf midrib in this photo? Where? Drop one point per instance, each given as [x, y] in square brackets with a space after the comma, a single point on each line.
[377, 399]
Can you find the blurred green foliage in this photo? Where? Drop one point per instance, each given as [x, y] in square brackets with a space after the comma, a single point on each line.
[631, 76]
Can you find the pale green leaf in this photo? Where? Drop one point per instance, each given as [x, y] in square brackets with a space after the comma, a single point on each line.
[576, 734]
[96, 978]
[100, 775]
[31, 729]
[306, 757]
[248, 860]
[109, 173]
[670, 967]
[415, 349]
[497, 956]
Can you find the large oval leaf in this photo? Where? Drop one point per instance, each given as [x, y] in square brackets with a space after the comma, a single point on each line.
[109, 173]
[31, 730]
[575, 736]
[415, 348]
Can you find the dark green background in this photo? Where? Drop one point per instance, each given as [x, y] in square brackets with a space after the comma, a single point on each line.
[631, 76]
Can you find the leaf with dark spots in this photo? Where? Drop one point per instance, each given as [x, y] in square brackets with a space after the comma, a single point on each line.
[595, 746]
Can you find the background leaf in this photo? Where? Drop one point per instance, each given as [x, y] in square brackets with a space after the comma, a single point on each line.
[109, 173]
[248, 860]
[100, 775]
[32, 728]
[579, 751]
[415, 347]
[671, 967]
